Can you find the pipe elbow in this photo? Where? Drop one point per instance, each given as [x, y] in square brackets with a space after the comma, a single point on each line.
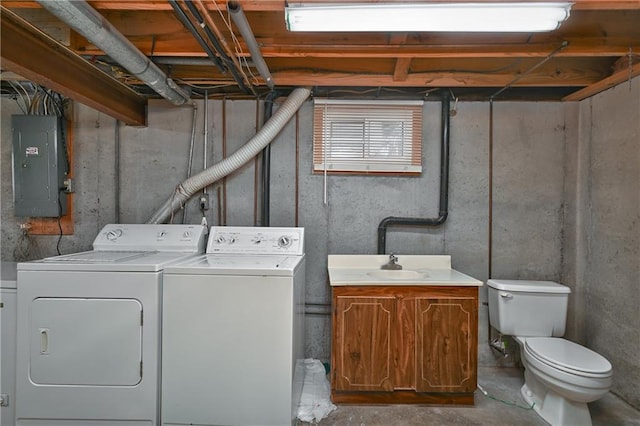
[384, 223]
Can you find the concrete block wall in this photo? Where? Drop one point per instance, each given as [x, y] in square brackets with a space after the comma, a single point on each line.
[543, 226]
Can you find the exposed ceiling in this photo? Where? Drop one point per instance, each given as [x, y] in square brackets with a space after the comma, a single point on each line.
[597, 47]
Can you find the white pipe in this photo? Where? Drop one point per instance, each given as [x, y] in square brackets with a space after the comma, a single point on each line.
[94, 27]
[235, 10]
[236, 160]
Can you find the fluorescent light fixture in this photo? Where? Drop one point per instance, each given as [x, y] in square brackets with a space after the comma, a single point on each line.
[432, 17]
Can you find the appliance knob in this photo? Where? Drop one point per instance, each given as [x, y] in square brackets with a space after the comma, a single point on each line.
[186, 234]
[220, 240]
[114, 234]
[284, 241]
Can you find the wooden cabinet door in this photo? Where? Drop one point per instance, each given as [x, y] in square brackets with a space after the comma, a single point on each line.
[363, 346]
[446, 344]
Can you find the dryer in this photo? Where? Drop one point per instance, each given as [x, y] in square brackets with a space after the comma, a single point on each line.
[7, 342]
[233, 330]
[88, 338]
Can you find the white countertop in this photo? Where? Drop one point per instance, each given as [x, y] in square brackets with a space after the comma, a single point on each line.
[428, 270]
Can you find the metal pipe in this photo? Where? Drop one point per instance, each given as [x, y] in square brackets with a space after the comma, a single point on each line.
[204, 201]
[225, 50]
[201, 41]
[84, 19]
[226, 61]
[519, 77]
[444, 188]
[190, 162]
[243, 25]
[266, 166]
[116, 183]
[218, 171]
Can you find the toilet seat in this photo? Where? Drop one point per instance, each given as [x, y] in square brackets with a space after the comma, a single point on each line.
[568, 356]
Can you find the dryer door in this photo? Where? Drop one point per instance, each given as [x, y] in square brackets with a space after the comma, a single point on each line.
[85, 341]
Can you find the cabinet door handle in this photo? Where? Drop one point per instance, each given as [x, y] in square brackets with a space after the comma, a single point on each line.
[44, 341]
[506, 295]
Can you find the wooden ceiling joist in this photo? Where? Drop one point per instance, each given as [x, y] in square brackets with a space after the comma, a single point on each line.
[604, 84]
[34, 55]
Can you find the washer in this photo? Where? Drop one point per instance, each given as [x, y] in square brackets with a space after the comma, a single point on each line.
[233, 330]
[88, 349]
[7, 342]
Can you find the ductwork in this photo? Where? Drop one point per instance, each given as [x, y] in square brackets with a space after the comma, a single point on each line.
[265, 135]
[84, 19]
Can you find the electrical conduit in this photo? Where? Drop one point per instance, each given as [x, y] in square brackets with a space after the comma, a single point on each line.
[262, 138]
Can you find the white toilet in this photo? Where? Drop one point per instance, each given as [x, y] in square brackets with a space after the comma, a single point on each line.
[560, 376]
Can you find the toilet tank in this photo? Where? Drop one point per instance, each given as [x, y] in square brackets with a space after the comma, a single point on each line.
[528, 308]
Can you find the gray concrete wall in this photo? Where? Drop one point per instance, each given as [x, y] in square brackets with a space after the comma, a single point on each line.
[540, 212]
[609, 231]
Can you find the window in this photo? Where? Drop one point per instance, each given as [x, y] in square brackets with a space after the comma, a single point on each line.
[367, 136]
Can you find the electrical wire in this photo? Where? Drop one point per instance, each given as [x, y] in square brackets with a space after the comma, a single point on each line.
[513, 404]
[59, 222]
[240, 55]
[22, 249]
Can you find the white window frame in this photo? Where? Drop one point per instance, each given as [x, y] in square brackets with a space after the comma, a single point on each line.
[367, 136]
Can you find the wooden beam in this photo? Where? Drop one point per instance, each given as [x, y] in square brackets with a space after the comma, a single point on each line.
[602, 85]
[401, 70]
[36, 56]
[277, 5]
[432, 79]
[579, 48]
[247, 5]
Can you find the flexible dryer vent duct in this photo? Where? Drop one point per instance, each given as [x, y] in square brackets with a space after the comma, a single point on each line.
[80, 16]
[265, 135]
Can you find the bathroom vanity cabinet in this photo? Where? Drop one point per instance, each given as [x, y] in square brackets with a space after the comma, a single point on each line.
[406, 339]
[404, 344]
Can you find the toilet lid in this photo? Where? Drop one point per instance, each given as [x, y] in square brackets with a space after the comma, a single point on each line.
[568, 356]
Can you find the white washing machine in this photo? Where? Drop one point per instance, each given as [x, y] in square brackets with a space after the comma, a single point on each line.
[7, 342]
[233, 330]
[88, 350]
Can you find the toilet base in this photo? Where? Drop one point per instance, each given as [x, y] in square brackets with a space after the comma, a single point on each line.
[553, 408]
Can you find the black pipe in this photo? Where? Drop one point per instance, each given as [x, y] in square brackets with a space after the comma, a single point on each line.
[266, 165]
[187, 23]
[444, 188]
[228, 62]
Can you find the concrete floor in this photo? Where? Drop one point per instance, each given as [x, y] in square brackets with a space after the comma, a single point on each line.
[500, 383]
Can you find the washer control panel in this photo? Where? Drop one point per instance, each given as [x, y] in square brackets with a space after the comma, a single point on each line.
[151, 237]
[255, 240]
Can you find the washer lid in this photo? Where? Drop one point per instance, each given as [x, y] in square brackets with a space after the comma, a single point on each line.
[568, 356]
[529, 286]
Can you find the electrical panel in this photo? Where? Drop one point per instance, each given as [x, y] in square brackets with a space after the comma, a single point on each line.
[40, 166]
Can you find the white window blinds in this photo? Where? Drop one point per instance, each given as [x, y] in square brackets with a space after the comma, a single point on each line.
[367, 136]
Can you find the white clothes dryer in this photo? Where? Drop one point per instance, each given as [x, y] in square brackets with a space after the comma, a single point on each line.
[7, 343]
[233, 330]
[88, 340]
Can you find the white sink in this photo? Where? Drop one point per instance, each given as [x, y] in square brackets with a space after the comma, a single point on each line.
[417, 270]
[389, 274]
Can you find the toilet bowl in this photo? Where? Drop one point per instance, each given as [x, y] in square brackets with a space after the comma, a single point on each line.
[560, 376]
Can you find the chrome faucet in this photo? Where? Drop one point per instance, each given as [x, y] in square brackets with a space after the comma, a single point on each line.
[392, 264]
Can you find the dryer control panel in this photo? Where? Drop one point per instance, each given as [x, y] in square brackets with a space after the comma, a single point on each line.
[255, 240]
[151, 237]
